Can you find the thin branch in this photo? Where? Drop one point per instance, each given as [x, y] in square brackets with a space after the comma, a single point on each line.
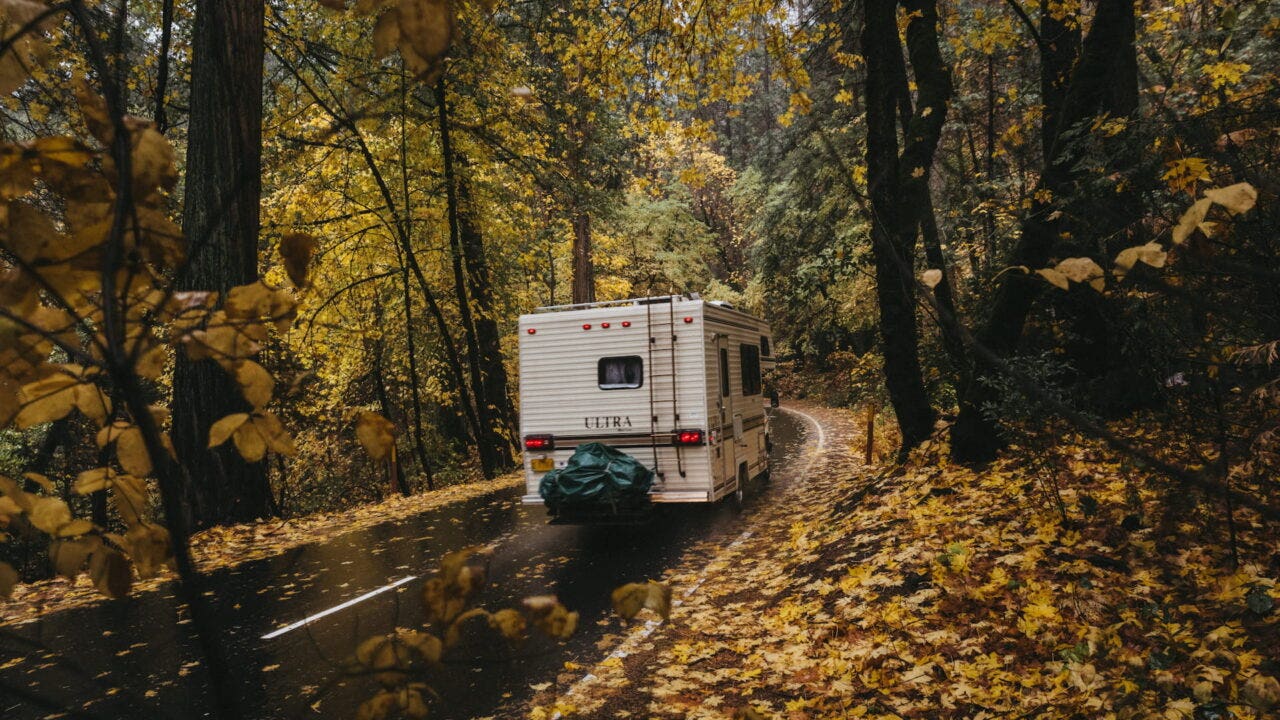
[1026, 20]
[328, 301]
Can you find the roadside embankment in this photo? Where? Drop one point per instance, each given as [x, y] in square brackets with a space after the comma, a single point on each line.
[1060, 588]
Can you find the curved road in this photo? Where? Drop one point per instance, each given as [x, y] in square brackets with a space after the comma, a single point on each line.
[132, 658]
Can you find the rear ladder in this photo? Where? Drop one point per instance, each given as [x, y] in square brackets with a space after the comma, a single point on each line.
[662, 336]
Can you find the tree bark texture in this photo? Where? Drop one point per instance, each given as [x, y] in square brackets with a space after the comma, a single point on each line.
[221, 223]
[488, 334]
[584, 285]
[490, 445]
[893, 222]
[1107, 59]
[406, 225]
[1059, 48]
[922, 132]
[415, 386]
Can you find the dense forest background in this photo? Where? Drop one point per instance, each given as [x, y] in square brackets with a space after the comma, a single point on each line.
[999, 221]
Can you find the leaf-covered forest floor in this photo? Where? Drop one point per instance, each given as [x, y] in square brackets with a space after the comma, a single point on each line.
[931, 590]
[223, 547]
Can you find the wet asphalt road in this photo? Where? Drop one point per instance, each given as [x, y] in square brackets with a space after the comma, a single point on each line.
[134, 658]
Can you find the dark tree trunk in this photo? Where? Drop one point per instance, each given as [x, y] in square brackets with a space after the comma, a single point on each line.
[378, 351]
[162, 71]
[584, 285]
[1059, 48]
[492, 451]
[934, 85]
[488, 335]
[220, 222]
[415, 383]
[1107, 50]
[942, 292]
[894, 220]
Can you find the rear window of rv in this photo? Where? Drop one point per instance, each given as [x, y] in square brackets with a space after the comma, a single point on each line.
[620, 373]
[750, 370]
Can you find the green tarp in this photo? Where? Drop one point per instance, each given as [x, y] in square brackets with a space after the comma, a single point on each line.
[597, 476]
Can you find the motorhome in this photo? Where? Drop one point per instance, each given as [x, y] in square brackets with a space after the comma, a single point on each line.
[674, 381]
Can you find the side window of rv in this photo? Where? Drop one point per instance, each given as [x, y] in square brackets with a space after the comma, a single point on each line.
[724, 373]
[750, 369]
[764, 346]
[620, 373]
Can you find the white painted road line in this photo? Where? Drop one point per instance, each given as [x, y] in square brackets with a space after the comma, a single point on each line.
[336, 608]
[632, 642]
[822, 437]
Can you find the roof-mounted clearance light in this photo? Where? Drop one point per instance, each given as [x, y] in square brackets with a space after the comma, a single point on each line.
[586, 326]
[604, 325]
[532, 331]
[626, 323]
[688, 320]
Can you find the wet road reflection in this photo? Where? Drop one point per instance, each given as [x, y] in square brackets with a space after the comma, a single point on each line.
[134, 658]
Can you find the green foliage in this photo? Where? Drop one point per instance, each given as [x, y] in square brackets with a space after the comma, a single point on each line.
[661, 248]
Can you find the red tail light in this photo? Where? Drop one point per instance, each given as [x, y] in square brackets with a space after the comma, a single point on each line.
[539, 442]
[688, 437]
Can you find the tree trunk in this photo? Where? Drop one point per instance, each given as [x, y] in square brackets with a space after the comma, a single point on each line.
[220, 222]
[1059, 48]
[406, 225]
[893, 224]
[934, 84]
[491, 451]
[942, 292]
[1106, 50]
[415, 388]
[488, 335]
[584, 286]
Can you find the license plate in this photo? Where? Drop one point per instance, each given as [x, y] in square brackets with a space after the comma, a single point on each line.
[543, 464]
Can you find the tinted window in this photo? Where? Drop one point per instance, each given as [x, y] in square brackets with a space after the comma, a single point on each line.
[724, 373]
[764, 346]
[750, 356]
[620, 373]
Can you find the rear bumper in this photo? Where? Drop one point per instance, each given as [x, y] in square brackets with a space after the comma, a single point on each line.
[688, 496]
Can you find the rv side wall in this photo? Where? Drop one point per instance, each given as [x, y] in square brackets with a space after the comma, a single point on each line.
[738, 421]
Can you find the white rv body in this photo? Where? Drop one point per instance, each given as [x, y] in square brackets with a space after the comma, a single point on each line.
[578, 384]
